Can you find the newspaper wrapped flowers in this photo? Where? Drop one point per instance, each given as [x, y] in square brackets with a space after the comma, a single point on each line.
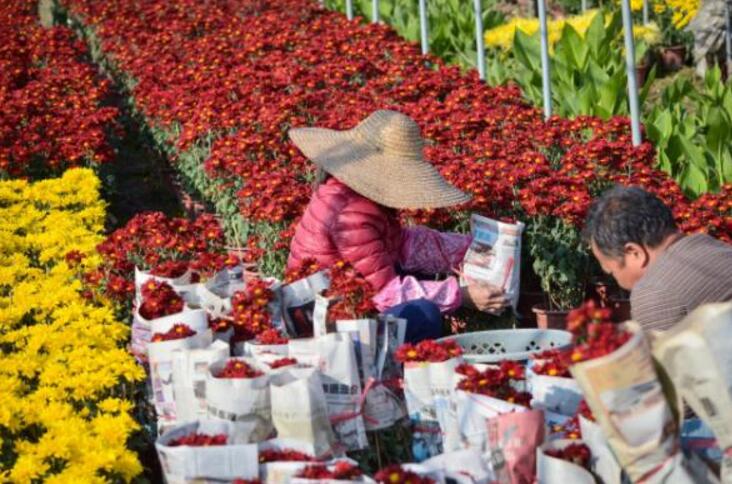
[178, 331]
[342, 471]
[159, 299]
[198, 440]
[577, 453]
[238, 369]
[396, 474]
[495, 382]
[428, 351]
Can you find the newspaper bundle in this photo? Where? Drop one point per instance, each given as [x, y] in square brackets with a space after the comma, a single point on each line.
[554, 394]
[238, 459]
[300, 411]
[282, 471]
[494, 255]
[627, 399]
[239, 400]
[298, 303]
[190, 372]
[697, 354]
[553, 470]
[333, 354]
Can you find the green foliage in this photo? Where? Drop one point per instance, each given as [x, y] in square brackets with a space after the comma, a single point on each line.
[588, 75]
[560, 260]
[451, 23]
[691, 129]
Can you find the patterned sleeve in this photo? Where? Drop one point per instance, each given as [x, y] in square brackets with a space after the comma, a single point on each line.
[446, 294]
[429, 251]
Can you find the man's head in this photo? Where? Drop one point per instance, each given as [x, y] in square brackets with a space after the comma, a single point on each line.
[625, 228]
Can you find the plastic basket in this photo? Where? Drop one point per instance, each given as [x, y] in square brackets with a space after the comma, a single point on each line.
[509, 344]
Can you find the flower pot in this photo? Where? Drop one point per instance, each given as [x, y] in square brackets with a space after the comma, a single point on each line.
[641, 72]
[673, 58]
[549, 319]
[621, 308]
[527, 300]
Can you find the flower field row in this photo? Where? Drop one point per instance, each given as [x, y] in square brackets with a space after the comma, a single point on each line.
[64, 370]
[52, 116]
[221, 83]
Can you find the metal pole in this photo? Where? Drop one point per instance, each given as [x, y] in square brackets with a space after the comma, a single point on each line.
[375, 11]
[584, 5]
[349, 9]
[645, 12]
[728, 37]
[424, 29]
[630, 65]
[479, 41]
[546, 78]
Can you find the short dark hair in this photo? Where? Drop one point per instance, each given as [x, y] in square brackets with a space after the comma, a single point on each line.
[627, 214]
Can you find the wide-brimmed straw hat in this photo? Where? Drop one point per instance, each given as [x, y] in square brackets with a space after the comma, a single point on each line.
[381, 159]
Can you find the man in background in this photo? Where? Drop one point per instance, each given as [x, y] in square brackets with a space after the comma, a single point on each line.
[635, 239]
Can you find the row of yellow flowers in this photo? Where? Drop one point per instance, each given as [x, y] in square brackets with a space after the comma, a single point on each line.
[64, 370]
[502, 36]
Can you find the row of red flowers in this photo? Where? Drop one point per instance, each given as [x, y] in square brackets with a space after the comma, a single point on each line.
[258, 68]
[52, 115]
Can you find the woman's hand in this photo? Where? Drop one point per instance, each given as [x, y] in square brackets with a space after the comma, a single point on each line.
[484, 297]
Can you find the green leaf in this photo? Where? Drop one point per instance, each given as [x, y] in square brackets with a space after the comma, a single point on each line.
[694, 180]
[527, 50]
[718, 131]
[664, 125]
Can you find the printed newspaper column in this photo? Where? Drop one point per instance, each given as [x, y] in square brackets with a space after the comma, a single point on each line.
[494, 255]
[238, 459]
[374, 343]
[627, 400]
[442, 387]
[553, 470]
[697, 355]
[298, 303]
[512, 439]
[300, 411]
[161, 355]
[334, 356]
[190, 372]
[240, 400]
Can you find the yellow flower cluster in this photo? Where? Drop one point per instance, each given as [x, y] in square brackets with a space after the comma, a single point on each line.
[63, 367]
[502, 36]
[683, 10]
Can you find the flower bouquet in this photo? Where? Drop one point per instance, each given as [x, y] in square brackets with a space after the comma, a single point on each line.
[551, 384]
[267, 345]
[334, 356]
[408, 474]
[564, 461]
[207, 450]
[332, 473]
[237, 391]
[300, 410]
[429, 382]
[280, 459]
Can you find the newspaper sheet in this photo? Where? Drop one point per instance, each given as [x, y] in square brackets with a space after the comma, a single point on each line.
[697, 355]
[298, 303]
[494, 255]
[627, 399]
[183, 464]
[552, 470]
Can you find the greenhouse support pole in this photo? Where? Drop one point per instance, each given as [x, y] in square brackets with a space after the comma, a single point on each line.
[424, 30]
[375, 11]
[728, 36]
[546, 80]
[584, 5]
[645, 12]
[479, 41]
[632, 79]
[349, 9]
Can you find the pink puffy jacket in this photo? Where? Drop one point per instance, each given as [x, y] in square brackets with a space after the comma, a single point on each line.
[340, 224]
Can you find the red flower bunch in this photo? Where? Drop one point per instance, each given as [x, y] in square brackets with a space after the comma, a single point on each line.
[342, 471]
[284, 455]
[428, 350]
[395, 474]
[238, 369]
[220, 325]
[249, 309]
[282, 362]
[351, 292]
[571, 428]
[271, 337]
[158, 300]
[178, 331]
[495, 382]
[246, 481]
[593, 333]
[576, 453]
[170, 269]
[552, 363]
[198, 440]
[306, 268]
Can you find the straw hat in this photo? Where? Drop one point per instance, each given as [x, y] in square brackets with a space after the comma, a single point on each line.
[382, 160]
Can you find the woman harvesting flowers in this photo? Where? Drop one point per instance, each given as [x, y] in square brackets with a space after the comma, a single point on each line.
[370, 172]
